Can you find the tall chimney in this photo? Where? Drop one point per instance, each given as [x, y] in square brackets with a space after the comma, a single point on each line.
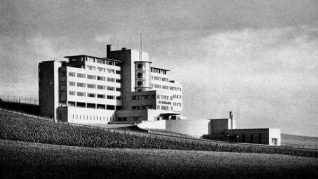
[108, 49]
[231, 118]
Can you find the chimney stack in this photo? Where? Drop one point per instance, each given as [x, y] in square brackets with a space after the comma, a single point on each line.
[108, 49]
[231, 118]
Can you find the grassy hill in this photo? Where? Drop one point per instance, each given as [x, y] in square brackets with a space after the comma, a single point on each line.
[301, 141]
[23, 128]
[36, 160]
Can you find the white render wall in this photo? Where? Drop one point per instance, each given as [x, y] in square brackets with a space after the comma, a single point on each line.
[87, 90]
[274, 133]
[89, 116]
[196, 128]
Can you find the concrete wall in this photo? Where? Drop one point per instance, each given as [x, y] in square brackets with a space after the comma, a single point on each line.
[48, 88]
[274, 134]
[259, 136]
[195, 128]
[85, 115]
[219, 126]
[153, 125]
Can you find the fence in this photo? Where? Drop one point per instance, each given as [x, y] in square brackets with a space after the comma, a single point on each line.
[19, 99]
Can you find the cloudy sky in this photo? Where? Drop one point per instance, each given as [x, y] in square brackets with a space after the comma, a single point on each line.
[256, 58]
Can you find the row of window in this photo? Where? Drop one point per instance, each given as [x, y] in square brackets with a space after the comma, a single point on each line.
[143, 97]
[164, 102]
[151, 107]
[90, 105]
[101, 69]
[165, 87]
[159, 78]
[155, 70]
[91, 59]
[163, 97]
[94, 118]
[94, 86]
[93, 95]
[94, 77]
[177, 104]
[143, 107]
[177, 96]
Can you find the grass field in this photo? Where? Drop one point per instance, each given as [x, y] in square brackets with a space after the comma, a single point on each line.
[25, 159]
[295, 140]
[22, 128]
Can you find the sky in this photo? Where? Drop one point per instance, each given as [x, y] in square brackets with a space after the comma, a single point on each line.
[256, 58]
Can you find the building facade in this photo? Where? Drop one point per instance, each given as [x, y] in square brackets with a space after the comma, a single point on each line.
[122, 87]
[225, 129]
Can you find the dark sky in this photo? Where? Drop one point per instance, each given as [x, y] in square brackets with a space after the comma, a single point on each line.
[256, 58]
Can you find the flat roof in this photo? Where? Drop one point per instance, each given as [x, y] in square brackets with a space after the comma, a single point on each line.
[92, 57]
[160, 68]
[143, 61]
[219, 119]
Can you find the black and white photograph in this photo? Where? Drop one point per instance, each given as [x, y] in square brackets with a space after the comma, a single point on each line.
[158, 89]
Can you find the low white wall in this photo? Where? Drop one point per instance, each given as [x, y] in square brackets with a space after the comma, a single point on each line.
[153, 125]
[195, 128]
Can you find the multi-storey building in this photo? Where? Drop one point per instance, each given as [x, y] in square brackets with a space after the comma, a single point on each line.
[122, 87]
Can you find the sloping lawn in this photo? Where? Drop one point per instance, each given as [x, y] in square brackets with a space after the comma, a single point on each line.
[22, 128]
[35, 160]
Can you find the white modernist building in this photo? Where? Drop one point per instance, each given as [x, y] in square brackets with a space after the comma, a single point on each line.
[122, 87]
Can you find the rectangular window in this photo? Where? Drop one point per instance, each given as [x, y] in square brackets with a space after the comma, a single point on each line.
[81, 75]
[110, 97]
[71, 74]
[72, 83]
[100, 87]
[92, 77]
[100, 61]
[91, 105]
[110, 88]
[117, 72]
[111, 79]
[118, 81]
[71, 103]
[101, 106]
[91, 86]
[109, 62]
[164, 108]
[81, 105]
[140, 75]
[81, 84]
[101, 78]
[110, 70]
[165, 79]
[118, 89]
[165, 87]
[81, 94]
[101, 96]
[91, 95]
[71, 92]
[101, 69]
[110, 107]
[118, 97]
[90, 67]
